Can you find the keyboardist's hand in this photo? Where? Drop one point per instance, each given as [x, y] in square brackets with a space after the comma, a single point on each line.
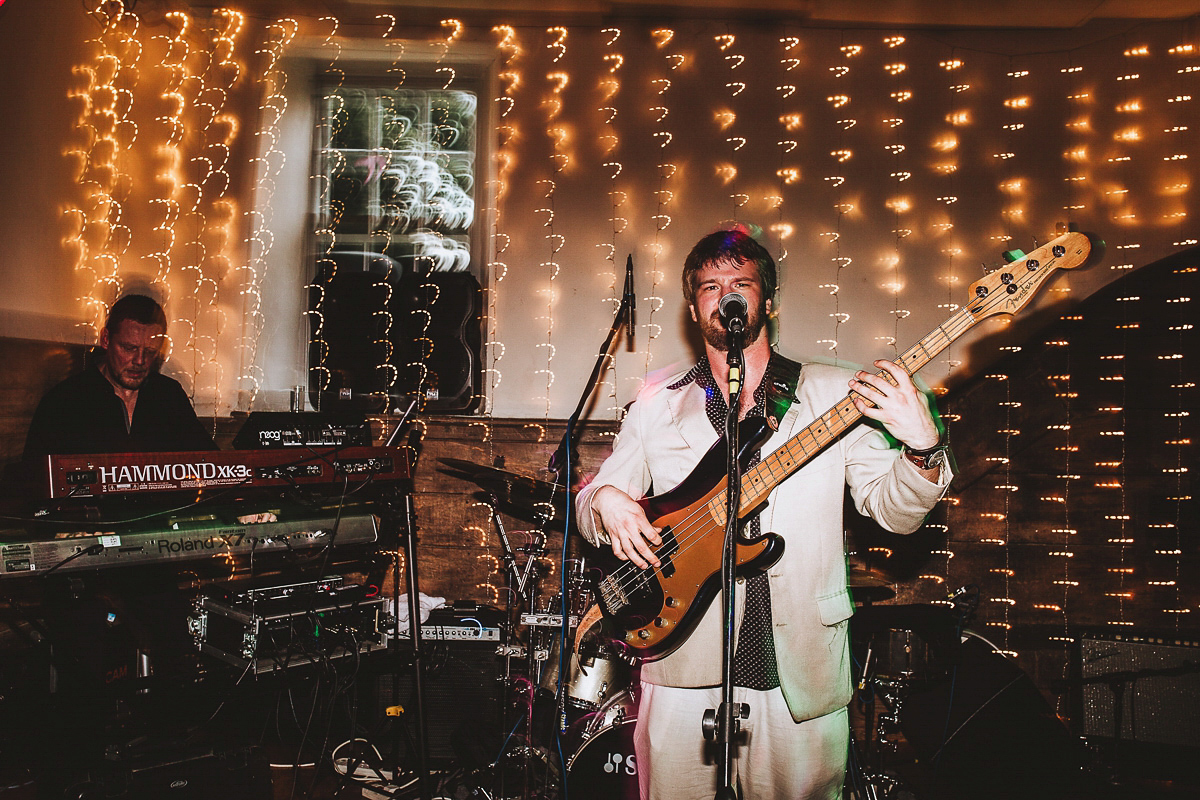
[254, 519]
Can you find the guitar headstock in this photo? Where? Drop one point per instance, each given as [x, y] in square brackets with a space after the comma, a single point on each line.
[1009, 289]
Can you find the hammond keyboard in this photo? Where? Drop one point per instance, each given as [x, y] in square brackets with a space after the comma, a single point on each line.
[181, 539]
[124, 474]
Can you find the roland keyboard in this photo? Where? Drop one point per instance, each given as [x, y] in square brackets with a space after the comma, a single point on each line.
[208, 536]
[123, 474]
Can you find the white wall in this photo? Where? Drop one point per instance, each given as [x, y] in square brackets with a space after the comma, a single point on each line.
[548, 329]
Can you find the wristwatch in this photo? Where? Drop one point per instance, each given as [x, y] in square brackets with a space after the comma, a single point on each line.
[929, 458]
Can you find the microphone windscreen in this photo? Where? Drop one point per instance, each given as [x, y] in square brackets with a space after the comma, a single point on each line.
[733, 305]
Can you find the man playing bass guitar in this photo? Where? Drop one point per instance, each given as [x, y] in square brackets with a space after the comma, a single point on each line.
[792, 661]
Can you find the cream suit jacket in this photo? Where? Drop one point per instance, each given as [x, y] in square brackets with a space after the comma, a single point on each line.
[665, 434]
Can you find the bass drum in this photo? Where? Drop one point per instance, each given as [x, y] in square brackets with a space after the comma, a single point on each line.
[604, 766]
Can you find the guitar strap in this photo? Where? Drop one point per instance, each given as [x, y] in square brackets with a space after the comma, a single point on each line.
[781, 388]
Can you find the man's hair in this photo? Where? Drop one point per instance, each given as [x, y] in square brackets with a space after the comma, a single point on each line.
[137, 307]
[728, 249]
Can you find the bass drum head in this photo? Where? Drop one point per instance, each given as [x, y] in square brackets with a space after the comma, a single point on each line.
[605, 767]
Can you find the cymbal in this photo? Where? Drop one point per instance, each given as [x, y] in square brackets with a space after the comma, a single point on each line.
[524, 497]
[869, 585]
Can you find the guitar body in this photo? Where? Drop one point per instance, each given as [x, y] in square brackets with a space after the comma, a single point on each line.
[656, 609]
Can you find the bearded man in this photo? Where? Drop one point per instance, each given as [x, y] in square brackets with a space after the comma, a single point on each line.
[792, 661]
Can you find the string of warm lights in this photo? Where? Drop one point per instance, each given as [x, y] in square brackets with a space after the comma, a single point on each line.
[171, 176]
[899, 203]
[99, 234]
[788, 173]
[508, 135]
[1079, 131]
[330, 121]
[215, 210]
[268, 165]
[560, 158]
[843, 205]
[1066, 533]
[610, 141]
[944, 167]
[664, 193]
[1002, 519]
[726, 120]
[1010, 187]
[1116, 195]
[430, 247]
[1178, 189]
[1122, 536]
[1178, 472]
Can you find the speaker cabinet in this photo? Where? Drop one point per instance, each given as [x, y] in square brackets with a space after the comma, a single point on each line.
[983, 730]
[1141, 689]
[438, 339]
[375, 333]
[464, 690]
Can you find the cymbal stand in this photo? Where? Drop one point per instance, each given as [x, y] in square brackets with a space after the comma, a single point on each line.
[519, 575]
[523, 582]
[862, 772]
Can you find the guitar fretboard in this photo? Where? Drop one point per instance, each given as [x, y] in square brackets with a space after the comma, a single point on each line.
[1003, 292]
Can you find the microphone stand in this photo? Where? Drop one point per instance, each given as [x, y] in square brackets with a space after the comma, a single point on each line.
[624, 316]
[401, 515]
[562, 461]
[723, 724]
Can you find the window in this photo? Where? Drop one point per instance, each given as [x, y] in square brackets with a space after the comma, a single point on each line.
[395, 304]
[399, 172]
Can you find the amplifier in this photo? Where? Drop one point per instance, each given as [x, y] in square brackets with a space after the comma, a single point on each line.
[455, 633]
[1141, 688]
[464, 621]
[283, 627]
[464, 691]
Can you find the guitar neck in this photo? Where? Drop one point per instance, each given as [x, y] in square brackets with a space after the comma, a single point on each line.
[761, 479]
[1004, 291]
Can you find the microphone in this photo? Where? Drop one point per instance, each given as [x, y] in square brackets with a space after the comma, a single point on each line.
[733, 310]
[631, 296]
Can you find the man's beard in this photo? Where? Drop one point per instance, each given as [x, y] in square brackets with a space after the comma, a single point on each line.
[132, 383]
[125, 380]
[717, 337]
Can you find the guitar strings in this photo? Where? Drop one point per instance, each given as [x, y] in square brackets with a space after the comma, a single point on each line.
[694, 528]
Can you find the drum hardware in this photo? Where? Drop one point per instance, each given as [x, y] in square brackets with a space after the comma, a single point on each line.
[593, 704]
[603, 764]
[548, 620]
[899, 656]
[954, 709]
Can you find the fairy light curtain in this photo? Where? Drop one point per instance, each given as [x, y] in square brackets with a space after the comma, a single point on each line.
[886, 169]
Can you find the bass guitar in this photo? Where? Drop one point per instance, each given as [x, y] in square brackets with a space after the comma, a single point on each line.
[655, 609]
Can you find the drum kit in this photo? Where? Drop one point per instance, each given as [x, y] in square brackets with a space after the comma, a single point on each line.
[582, 708]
